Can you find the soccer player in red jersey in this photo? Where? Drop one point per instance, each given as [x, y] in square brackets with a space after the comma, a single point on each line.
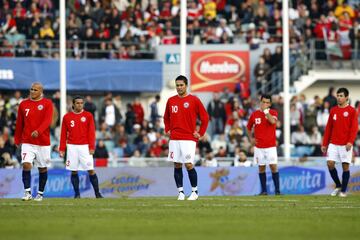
[263, 123]
[78, 135]
[181, 113]
[33, 133]
[339, 136]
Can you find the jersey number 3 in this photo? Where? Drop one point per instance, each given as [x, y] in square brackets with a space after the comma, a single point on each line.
[257, 120]
[72, 123]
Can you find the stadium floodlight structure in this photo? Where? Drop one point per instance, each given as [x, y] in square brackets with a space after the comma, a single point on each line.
[286, 78]
[62, 58]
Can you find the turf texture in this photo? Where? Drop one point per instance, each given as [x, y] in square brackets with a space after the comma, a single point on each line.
[261, 217]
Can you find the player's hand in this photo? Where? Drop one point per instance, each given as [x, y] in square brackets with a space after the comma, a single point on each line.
[196, 135]
[348, 147]
[92, 151]
[62, 154]
[266, 111]
[168, 133]
[35, 134]
[323, 149]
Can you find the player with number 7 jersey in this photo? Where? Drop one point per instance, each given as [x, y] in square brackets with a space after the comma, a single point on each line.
[34, 115]
[33, 133]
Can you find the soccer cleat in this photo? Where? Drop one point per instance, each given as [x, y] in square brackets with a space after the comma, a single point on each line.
[335, 192]
[278, 193]
[39, 197]
[263, 194]
[193, 196]
[98, 195]
[27, 196]
[77, 196]
[342, 194]
[181, 196]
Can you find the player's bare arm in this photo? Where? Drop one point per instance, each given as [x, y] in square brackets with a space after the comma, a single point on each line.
[272, 119]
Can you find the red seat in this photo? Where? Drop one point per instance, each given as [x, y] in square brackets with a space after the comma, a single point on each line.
[101, 162]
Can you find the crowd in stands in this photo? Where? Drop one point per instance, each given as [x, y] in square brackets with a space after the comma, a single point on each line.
[130, 29]
[129, 134]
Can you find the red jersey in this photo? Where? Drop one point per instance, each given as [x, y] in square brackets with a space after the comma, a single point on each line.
[341, 127]
[34, 116]
[78, 129]
[264, 131]
[180, 117]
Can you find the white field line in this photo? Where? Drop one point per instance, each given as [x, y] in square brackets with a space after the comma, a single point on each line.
[339, 207]
[36, 204]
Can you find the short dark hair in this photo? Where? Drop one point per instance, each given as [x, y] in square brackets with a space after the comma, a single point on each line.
[182, 78]
[343, 90]
[76, 98]
[266, 96]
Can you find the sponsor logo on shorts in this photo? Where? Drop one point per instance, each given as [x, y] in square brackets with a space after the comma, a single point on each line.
[40, 107]
[187, 157]
[67, 163]
[47, 161]
[83, 119]
[172, 155]
[186, 105]
[346, 114]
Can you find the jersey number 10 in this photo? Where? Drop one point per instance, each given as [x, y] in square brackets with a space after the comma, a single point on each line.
[174, 109]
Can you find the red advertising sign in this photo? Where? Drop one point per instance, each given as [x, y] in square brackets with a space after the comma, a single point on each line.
[211, 71]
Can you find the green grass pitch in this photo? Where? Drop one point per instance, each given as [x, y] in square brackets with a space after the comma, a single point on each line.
[262, 217]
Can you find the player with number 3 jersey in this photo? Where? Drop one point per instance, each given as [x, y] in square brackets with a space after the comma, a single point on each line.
[78, 136]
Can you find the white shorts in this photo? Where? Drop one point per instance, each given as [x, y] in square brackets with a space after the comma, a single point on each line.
[182, 151]
[338, 153]
[265, 156]
[35, 154]
[78, 157]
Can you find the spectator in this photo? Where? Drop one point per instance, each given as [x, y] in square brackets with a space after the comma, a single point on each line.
[154, 111]
[210, 160]
[217, 115]
[331, 97]
[240, 159]
[110, 114]
[138, 110]
[90, 106]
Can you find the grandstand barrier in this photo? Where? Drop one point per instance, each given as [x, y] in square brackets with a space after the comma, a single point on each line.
[159, 181]
[83, 75]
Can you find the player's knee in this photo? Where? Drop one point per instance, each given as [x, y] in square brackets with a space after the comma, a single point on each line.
[262, 169]
[189, 166]
[91, 172]
[178, 165]
[345, 166]
[331, 164]
[273, 168]
[27, 166]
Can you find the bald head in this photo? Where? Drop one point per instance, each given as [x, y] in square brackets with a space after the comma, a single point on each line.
[36, 91]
